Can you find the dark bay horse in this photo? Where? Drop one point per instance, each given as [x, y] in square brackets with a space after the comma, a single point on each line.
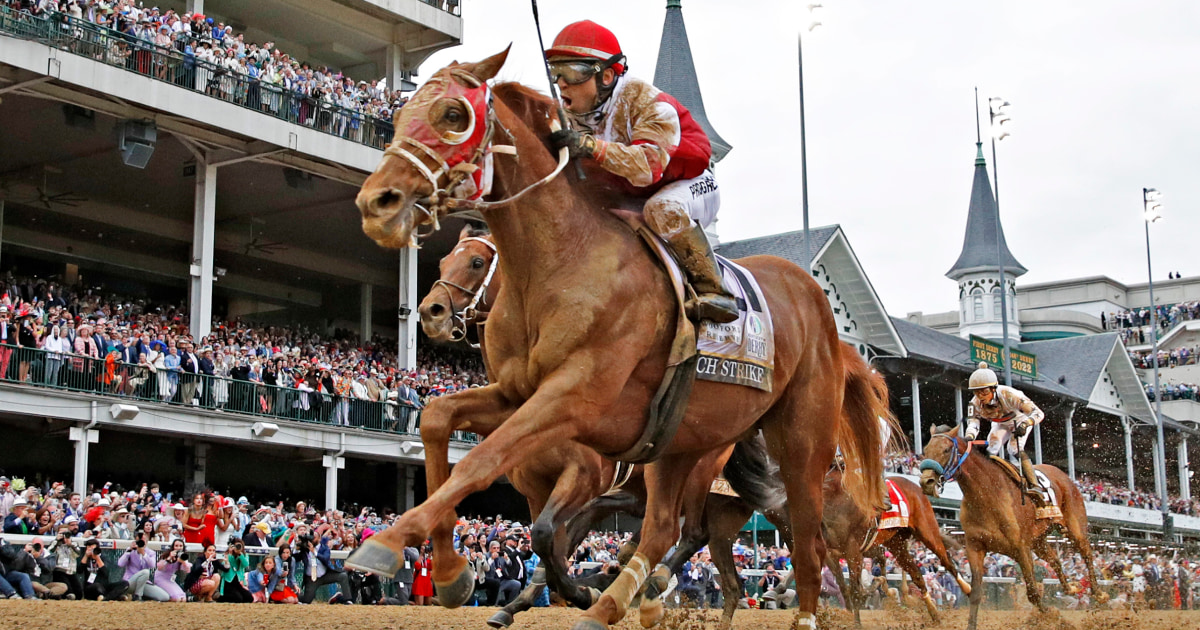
[846, 528]
[579, 341]
[996, 516]
[460, 300]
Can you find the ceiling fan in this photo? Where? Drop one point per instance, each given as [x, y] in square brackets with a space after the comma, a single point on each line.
[261, 245]
[48, 199]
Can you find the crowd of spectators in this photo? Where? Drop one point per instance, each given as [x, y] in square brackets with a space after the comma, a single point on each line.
[135, 347]
[207, 55]
[1134, 324]
[1167, 357]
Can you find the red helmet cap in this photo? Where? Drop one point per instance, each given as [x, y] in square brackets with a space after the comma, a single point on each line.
[587, 40]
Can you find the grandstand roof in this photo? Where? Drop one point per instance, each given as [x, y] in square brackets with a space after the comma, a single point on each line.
[675, 74]
[979, 251]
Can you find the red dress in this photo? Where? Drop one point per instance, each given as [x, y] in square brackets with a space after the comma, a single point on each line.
[422, 582]
[206, 535]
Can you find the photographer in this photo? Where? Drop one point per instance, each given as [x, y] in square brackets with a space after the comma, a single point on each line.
[66, 556]
[170, 563]
[43, 583]
[233, 590]
[139, 563]
[16, 566]
[313, 558]
[283, 589]
[206, 577]
[96, 585]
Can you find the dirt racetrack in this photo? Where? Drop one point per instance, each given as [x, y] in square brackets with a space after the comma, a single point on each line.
[41, 615]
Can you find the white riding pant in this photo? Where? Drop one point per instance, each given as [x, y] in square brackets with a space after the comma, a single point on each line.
[1000, 440]
[672, 209]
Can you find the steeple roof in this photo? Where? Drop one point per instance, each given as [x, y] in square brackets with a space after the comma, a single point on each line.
[979, 244]
[675, 74]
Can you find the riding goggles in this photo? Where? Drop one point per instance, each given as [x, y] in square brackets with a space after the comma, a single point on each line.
[576, 71]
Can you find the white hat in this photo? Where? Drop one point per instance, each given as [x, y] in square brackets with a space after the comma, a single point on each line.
[20, 502]
[70, 519]
[178, 506]
[104, 502]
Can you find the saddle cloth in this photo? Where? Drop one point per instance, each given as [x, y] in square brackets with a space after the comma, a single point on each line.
[720, 486]
[1049, 497]
[898, 516]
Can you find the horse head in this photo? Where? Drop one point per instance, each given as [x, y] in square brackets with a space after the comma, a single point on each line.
[942, 458]
[461, 290]
[443, 135]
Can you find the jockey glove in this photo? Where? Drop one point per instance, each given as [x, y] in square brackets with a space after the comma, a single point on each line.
[972, 434]
[577, 143]
[1022, 428]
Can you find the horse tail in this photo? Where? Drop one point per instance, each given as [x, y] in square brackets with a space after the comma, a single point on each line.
[859, 433]
[752, 473]
[949, 542]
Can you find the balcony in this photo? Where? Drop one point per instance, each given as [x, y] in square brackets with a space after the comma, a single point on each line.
[171, 67]
[25, 371]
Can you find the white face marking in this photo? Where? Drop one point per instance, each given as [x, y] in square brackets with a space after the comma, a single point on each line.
[458, 250]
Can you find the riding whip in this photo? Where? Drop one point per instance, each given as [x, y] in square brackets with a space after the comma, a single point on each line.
[562, 116]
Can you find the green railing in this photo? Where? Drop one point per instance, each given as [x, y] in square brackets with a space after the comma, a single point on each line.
[186, 71]
[124, 381]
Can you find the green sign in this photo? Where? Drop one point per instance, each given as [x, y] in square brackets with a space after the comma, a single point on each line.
[990, 352]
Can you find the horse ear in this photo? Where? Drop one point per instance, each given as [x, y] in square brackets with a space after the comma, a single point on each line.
[465, 231]
[955, 431]
[487, 69]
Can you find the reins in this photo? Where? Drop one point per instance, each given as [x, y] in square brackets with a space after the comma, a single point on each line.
[459, 318]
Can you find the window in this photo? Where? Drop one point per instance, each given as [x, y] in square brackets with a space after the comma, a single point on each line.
[996, 307]
[977, 298]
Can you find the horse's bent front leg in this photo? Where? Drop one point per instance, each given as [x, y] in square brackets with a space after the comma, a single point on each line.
[481, 410]
[665, 481]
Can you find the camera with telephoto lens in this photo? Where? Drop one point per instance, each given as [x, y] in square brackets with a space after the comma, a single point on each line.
[141, 544]
[183, 557]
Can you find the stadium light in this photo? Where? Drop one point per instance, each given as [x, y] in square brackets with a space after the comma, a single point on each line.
[1151, 212]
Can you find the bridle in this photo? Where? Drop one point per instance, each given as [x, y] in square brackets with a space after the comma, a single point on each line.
[460, 318]
[956, 459]
[447, 176]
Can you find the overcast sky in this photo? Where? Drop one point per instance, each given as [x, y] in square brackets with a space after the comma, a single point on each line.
[1104, 94]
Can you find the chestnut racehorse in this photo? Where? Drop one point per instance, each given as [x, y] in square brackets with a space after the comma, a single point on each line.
[459, 301]
[997, 517]
[846, 528]
[580, 338]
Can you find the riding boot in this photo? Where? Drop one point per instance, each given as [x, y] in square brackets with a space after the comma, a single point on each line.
[887, 496]
[695, 256]
[1032, 487]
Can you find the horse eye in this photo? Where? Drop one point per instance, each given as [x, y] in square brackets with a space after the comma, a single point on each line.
[477, 263]
[453, 115]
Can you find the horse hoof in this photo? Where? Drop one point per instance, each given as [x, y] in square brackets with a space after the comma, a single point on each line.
[650, 613]
[594, 594]
[375, 557]
[501, 619]
[457, 592]
[587, 623]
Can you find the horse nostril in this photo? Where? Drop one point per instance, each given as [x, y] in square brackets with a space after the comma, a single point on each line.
[437, 310]
[387, 198]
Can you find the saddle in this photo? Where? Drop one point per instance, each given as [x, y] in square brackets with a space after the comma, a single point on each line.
[1049, 508]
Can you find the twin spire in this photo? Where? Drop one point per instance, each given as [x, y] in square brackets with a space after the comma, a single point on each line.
[675, 74]
[979, 244]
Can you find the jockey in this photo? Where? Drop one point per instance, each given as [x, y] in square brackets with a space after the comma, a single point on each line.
[649, 140]
[1010, 412]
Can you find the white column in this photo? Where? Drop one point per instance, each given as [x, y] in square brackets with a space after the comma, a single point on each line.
[1185, 482]
[195, 6]
[395, 66]
[204, 229]
[916, 415]
[332, 464]
[958, 406]
[1037, 444]
[1128, 426]
[407, 332]
[1071, 442]
[199, 467]
[406, 478]
[364, 313]
[82, 438]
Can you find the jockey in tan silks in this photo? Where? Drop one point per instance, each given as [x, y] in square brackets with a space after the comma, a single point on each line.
[1011, 413]
[651, 146]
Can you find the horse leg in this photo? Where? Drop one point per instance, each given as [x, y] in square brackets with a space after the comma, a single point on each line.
[481, 410]
[835, 567]
[599, 509]
[930, 535]
[694, 536]
[1033, 590]
[665, 480]
[548, 418]
[898, 545]
[535, 494]
[800, 436]
[1049, 554]
[571, 495]
[724, 523]
[1077, 534]
[857, 597]
[975, 560]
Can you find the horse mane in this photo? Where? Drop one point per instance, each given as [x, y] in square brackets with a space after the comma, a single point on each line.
[527, 103]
